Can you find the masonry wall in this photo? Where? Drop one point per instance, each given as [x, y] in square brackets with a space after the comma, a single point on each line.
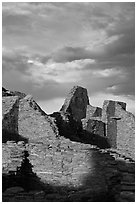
[111, 132]
[61, 162]
[93, 112]
[76, 103]
[126, 133]
[84, 170]
[10, 114]
[120, 127]
[12, 155]
[94, 126]
[34, 124]
[108, 110]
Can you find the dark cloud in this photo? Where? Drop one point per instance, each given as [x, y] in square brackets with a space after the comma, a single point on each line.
[50, 89]
[69, 54]
[126, 87]
[43, 59]
[14, 62]
[120, 48]
[58, 37]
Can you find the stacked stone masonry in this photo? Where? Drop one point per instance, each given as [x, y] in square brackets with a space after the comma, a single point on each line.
[70, 170]
[93, 112]
[30, 114]
[114, 123]
[25, 118]
[65, 163]
[120, 127]
[76, 103]
[94, 126]
[10, 106]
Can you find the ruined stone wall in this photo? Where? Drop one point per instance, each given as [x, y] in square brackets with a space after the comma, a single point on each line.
[86, 171]
[12, 155]
[111, 132]
[76, 102]
[10, 107]
[108, 110]
[126, 133]
[120, 127]
[61, 162]
[94, 126]
[32, 122]
[93, 112]
[24, 119]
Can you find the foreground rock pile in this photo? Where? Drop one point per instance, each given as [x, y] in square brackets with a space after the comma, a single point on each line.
[68, 158]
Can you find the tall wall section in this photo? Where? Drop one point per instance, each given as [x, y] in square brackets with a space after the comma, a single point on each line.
[23, 119]
[76, 102]
[126, 132]
[10, 108]
[120, 127]
[33, 123]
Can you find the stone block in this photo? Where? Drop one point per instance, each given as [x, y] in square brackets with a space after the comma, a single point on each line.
[76, 102]
[10, 106]
[120, 126]
[94, 126]
[93, 112]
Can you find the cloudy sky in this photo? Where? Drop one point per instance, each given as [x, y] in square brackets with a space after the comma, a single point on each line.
[47, 48]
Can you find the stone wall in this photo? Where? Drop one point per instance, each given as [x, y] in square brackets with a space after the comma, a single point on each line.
[33, 123]
[93, 112]
[12, 155]
[111, 132]
[94, 126]
[76, 102]
[23, 119]
[72, 171]
[126, 133]
[120, 127]
[10, 106]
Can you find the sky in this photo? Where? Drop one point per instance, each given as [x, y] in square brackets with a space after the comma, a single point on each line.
[47, 48]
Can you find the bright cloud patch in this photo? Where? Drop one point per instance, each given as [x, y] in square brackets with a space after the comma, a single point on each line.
[59, 72]
[107, 72]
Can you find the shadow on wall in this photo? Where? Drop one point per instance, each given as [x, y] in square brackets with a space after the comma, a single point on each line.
[94, 139]
[95, 187]
[72, 129]
[23, 177]
[8, 136]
